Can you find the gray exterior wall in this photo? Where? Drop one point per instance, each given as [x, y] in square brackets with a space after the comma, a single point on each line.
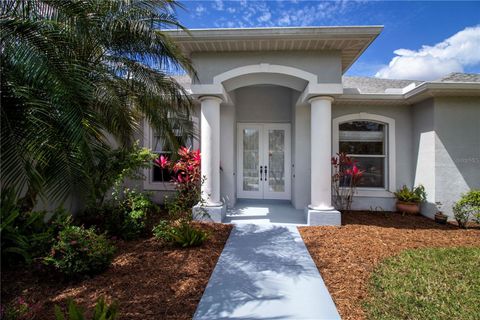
[457, 148]
[423, 156]
[301, 158]
[263, 104]
[447, 149]
[228, 154]
[325, 64]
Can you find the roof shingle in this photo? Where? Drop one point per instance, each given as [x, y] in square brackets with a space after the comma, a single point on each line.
[460, 77]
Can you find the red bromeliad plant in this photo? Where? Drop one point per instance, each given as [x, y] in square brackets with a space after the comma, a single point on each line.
[345, 178]
[186, 176]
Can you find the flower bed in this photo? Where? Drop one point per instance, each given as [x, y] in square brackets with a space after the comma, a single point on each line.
[148, 279]
[346, 256]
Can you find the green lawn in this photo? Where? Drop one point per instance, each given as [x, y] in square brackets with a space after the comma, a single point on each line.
[428, 283]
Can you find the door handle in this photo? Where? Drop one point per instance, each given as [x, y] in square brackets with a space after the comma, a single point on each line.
[265, 173]
[261, 173]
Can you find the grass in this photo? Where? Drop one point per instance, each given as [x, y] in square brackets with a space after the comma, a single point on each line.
[431, 283]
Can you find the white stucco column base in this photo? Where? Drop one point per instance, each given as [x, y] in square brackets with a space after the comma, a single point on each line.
[209, 213]
[320, 212]
[323, 217]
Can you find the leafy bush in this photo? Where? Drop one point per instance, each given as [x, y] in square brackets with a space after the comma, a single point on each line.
[19, 309]
[187, 179]
[415, 195]
[102, 311]
[182, 234]
[112, 167]
[468, 207]
[26, 235]
[163, 231]
[124, 216]
[80, 251]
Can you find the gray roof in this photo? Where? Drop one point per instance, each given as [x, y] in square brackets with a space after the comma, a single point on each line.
[460, 77]
[375, 85]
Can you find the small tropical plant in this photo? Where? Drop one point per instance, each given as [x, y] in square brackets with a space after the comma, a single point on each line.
[414, 195]
[345, 178]
[26, 235]
[102, 311]
[19, 309]
[187, 179]
[182, 234]
[80, 251]
[468, 207]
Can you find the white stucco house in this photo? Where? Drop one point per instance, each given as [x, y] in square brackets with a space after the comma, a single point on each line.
[273, 108]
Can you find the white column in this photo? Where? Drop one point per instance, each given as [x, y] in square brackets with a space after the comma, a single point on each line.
[210, 150]
[321, 146]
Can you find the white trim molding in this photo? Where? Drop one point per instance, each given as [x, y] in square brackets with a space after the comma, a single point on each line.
[265, 68]
[390, 151]
[148, 183]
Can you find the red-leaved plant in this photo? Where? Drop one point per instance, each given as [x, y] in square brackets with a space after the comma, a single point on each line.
[187, 178]
[345, 178]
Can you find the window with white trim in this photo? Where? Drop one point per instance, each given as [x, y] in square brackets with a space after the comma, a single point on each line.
[370, 139]
[157, 178]
[365, 141]
[162, 148]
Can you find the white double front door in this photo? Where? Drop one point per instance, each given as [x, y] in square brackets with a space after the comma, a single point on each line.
[263, 163]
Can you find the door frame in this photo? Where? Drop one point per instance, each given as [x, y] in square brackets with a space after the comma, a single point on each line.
[263, 193]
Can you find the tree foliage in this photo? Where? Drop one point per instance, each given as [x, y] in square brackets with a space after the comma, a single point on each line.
[77, 73]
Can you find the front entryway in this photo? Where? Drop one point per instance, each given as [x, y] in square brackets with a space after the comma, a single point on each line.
[263, 163]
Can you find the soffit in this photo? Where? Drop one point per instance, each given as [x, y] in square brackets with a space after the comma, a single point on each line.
[351, 41]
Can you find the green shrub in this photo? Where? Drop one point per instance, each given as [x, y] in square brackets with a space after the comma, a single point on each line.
[113, 166]
[163, 231]
[102, 311]
[26, 235]
[124, 216]
[182, 234]
[136, 206]
[468, 207]
[80, 251]
[415, 195]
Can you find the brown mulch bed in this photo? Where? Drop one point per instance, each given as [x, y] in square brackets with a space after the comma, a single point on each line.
[148, 279]
[347, 255]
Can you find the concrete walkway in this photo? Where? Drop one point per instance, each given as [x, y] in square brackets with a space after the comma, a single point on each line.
[265, 272]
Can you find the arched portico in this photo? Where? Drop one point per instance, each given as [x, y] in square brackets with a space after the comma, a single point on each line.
[318, 95]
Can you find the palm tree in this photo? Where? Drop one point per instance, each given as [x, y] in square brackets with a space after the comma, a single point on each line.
[76, 73]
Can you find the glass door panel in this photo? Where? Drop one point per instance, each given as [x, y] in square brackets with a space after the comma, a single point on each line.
[251, 159]
[276, 160]
[249, 151]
